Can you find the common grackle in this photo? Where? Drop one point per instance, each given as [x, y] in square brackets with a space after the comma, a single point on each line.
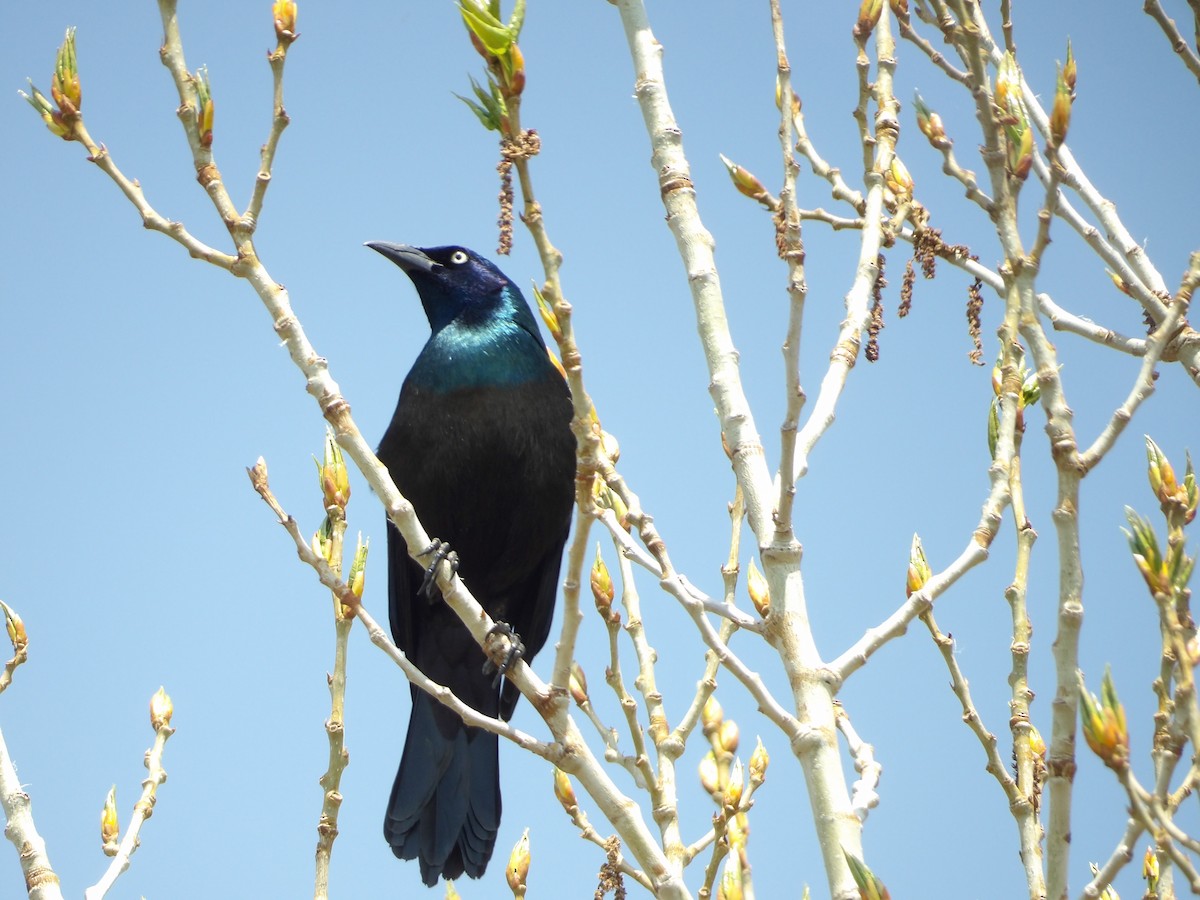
[481, 444]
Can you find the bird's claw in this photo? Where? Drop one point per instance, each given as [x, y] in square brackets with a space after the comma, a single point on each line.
[516, 651]
[441, 552]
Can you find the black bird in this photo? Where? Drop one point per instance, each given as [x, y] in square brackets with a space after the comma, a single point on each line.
[481, 444]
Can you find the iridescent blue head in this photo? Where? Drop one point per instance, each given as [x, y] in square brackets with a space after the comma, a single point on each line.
[457, 285]
[484, 332]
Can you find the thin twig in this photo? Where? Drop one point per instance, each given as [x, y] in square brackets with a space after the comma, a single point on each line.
[142, 809]
[864, 794]
[1179, 44]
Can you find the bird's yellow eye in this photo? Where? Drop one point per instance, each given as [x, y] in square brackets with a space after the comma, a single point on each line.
[458, 257]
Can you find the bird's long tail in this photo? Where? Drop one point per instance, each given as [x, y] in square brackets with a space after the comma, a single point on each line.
[445, 805]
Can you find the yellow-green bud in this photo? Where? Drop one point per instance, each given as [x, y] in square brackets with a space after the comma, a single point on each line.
[759, 760]
[333, 475]
[728, 736]
[796, 104]
[899, 181]
[161, 710]
[918, 568]
[1109, 892]
[1120, 283]
[204, 106]
[869, 885]
[735, 787]
[1037, 744]
[711, 715]
[546, 311]
[1177, 498]
[15, 628]
[358, 568]
[564, 791]
[1104, 725]
[110, 827]
[760, 592]
[710, 773]
[64, 86]
[322, 542]
[1150, 870]
[730, 886]
[518, 866]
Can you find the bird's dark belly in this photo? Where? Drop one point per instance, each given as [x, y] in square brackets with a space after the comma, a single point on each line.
[491, 471]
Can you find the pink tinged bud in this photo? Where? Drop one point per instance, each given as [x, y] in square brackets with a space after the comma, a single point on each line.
[868, 17]
[578, 684]
[1068, 70]
[1060, 113]
[1021, 153]
[284, 13]
[602, 584]
[512, 64]
[930, 124]
[161, 710]
[745, 181]
[1119, 282]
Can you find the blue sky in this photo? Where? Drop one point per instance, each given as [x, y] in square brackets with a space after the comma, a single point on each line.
[141, 383]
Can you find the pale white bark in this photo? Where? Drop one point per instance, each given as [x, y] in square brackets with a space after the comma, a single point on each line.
[41, 881]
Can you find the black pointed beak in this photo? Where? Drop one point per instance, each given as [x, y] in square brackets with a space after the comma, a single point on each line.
[410, 259]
